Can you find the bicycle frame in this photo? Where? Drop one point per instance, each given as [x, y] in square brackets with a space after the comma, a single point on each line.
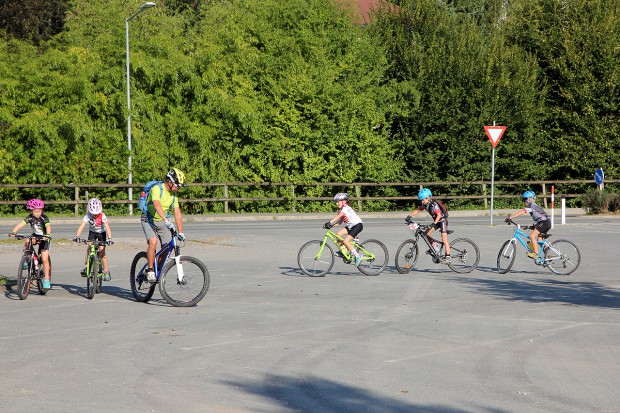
[420, 231]
[163, 255]
[93, 249]
[523, 238]
[336, 239]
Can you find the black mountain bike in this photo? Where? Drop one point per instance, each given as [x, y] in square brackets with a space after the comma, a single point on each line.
[30, 269]
[465, 254]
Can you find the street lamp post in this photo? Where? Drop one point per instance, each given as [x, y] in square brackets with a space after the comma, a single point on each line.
[145, 6]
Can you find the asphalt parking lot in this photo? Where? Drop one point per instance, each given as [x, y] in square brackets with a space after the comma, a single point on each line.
[266, 338]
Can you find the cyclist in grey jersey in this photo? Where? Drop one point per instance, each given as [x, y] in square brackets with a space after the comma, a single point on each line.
[540, 217]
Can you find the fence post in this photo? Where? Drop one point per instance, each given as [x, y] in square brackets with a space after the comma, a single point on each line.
[226, 196]
[358, 194]
[77, 198]
[544, 188]
[484, 192]
[293, 200]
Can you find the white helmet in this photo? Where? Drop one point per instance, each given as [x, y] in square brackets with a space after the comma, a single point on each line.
[94, 206]
[341, 196]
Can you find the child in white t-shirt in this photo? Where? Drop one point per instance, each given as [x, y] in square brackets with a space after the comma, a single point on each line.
[353, 223]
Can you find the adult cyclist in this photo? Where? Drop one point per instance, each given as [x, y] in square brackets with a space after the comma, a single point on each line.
[156, 217]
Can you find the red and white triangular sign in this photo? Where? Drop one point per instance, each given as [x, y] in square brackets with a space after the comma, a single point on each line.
[494, 133]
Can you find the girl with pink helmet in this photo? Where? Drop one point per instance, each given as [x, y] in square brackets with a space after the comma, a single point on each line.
[40, 224]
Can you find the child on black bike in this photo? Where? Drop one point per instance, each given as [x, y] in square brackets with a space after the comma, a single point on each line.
[439, 215]
[353, 224]
[542, 224]
[40, 224]
[99, 230]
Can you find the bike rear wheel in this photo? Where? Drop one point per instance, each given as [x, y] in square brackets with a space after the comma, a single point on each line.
[314, 259]
[373, 264]
[506, 256]
[23, 278]
[464, 255]
[140, 287]
[406, 256]
[91, 280]
[562, 257]
[193, 286]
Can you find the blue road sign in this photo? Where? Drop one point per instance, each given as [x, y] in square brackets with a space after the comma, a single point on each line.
[599, 176]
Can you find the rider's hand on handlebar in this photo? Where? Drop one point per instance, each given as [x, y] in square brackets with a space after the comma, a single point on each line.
[12, 234]
[328, 225]
[508, 220]
[109, 242]
[408, 220]
[168, 224]
[181, 236]
[77, 239]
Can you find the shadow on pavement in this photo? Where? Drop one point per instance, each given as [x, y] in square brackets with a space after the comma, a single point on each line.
[547, 291]
[319, 395]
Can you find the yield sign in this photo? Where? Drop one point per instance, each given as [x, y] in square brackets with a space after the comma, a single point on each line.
[494, 133]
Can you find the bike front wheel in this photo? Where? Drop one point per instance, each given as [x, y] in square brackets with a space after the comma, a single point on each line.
[406, 256]
[91, 280]
[23, 278]
[375, 257]
[562, 257]
[188, 289]
[506, 256]
[141, 288]
[315, 259]
[464, 254]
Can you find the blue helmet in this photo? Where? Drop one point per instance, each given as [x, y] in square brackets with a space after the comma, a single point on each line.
[424, 193]
[528, 194]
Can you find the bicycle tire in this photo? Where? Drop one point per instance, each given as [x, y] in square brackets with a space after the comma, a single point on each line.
[142, 289]
[99, 276]
[41, 276]
[506, 256]
[191, 291]
[563, 257]
[91, 279]
[313, 265]
[464, 255]
[376, 265]
[23, 278]
[406, 256]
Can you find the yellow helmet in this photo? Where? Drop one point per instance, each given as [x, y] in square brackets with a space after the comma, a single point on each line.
[176, 177]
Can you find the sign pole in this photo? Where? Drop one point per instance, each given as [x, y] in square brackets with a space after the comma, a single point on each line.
[492, 178]
[494, 133]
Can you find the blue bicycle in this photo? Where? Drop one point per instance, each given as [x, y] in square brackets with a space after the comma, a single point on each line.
[561, 257]
[183, 280]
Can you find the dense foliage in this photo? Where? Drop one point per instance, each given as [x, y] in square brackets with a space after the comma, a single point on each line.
[265, 90]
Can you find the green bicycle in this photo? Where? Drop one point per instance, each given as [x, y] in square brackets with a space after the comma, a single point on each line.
[316, 258]
[94, 266]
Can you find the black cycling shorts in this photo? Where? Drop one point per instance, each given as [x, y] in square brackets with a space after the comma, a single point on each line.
[543, 226]
[99, 236]
[442, 225]
[355, 229]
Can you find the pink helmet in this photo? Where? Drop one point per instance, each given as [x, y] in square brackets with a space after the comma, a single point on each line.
[94, 206]
[35, 203]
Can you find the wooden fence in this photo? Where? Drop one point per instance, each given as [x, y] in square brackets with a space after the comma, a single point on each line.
[80, 191]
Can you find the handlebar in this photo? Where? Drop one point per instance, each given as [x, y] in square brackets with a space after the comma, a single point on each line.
[415, 226]
[96, 241]
[35, 236]
[511, 222]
